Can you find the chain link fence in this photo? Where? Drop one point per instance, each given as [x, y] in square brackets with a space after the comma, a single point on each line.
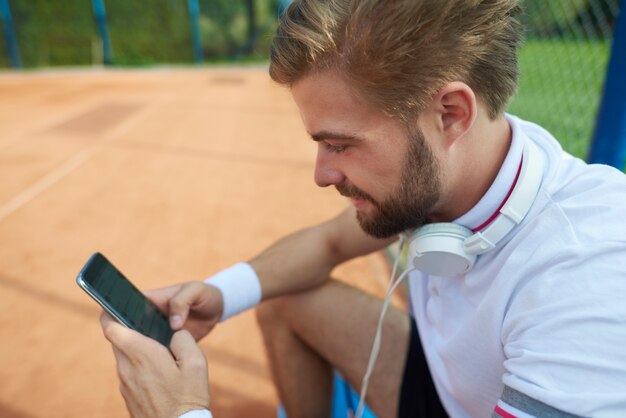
[563, 64]
[65, 32]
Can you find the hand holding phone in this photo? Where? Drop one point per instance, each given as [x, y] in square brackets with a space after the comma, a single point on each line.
[193, 305]
[122, 300]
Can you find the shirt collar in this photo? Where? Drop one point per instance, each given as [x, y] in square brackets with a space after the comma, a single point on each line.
[497, 192]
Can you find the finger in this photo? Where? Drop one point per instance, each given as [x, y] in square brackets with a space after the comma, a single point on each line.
[186, 351]
[105, 319]
[132, 405]
[181, 303]
[121, 360]
[109, 327]
[123, 365]
[112, 330]
[161, 297]
[132, 344]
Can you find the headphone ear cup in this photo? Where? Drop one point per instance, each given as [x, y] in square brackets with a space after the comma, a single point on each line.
[437, 249]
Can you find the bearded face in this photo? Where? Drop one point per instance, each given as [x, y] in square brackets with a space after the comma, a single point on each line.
[408, 205]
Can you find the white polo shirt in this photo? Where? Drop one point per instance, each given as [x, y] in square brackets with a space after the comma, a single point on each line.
[544, 313]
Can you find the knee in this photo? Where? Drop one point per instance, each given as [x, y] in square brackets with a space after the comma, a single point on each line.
[287, 311]
[270, 314]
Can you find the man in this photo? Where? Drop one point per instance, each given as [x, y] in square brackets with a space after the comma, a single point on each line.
[519, 314]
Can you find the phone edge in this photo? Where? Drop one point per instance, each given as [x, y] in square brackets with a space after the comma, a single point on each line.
[103, 303]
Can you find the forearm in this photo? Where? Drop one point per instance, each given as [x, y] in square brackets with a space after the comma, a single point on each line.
[297, 262]
[305, 259]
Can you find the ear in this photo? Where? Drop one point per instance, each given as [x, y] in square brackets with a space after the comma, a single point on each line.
[456, 110]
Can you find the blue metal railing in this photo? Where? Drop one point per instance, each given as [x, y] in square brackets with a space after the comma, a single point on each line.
[194, 18]
[9, 34]
[609, 140]
[100, 14]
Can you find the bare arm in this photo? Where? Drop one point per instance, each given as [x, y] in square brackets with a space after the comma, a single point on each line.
[299, 261]
[305, 258]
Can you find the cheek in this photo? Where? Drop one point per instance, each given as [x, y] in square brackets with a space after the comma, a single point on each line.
[378, 175]
[390, 161]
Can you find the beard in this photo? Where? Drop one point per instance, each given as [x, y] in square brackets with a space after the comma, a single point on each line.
[410, 203]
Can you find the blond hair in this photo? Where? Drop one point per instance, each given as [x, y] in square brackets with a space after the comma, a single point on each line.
[398, 54]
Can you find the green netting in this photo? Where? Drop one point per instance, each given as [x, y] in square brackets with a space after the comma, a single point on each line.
[4, 57]
[563, 63]
[52, 33]
[225, 31]
[149, 31]
[64, 32]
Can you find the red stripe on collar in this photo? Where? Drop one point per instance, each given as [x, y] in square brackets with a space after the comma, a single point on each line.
[497, 212]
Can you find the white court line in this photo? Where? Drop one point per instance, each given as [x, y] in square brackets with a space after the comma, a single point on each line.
[70, 165]
[45, 183]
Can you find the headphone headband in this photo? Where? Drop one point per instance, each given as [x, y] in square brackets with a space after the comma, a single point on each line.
[517, 205]
[448, 249]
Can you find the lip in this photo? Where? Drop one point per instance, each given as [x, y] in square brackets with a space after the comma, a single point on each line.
[357, 202]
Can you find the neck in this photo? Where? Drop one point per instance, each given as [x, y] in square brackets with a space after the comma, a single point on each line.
[472, 167]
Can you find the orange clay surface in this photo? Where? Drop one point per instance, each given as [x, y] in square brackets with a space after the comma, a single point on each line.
[173, 175]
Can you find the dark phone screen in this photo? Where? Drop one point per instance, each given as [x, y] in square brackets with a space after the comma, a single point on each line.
[121, 296]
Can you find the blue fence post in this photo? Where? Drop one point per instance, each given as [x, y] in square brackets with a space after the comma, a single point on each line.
[609, 140]
[9, 34]
[282, 6]
[100, 13]
[194, 18]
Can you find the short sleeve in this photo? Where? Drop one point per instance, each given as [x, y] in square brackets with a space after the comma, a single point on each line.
[564, 332]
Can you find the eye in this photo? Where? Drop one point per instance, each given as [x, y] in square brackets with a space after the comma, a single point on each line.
[336, 149]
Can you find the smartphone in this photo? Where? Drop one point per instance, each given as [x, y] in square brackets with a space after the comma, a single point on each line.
[122, 300]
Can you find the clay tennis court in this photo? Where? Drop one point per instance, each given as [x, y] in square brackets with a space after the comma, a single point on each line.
[172, 174]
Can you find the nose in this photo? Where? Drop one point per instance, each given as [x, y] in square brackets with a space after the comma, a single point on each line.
[326, 171]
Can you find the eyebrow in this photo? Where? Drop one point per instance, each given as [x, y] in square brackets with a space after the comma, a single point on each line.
[323, 135]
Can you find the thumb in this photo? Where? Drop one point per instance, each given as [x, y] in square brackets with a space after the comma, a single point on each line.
[186, 351]
[181, 303]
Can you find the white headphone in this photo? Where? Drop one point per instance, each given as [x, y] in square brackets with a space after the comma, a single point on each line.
[448, 249]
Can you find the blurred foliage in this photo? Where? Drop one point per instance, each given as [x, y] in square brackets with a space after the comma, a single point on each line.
[53, 32]
[149, 31]
[64, 32]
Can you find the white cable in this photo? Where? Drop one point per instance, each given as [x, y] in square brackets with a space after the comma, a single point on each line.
[379, 329]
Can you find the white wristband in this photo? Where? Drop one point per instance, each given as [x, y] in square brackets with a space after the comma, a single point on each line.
[240, 287]
[197, 413]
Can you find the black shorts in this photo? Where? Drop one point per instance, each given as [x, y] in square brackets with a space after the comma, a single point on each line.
[418, 396]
